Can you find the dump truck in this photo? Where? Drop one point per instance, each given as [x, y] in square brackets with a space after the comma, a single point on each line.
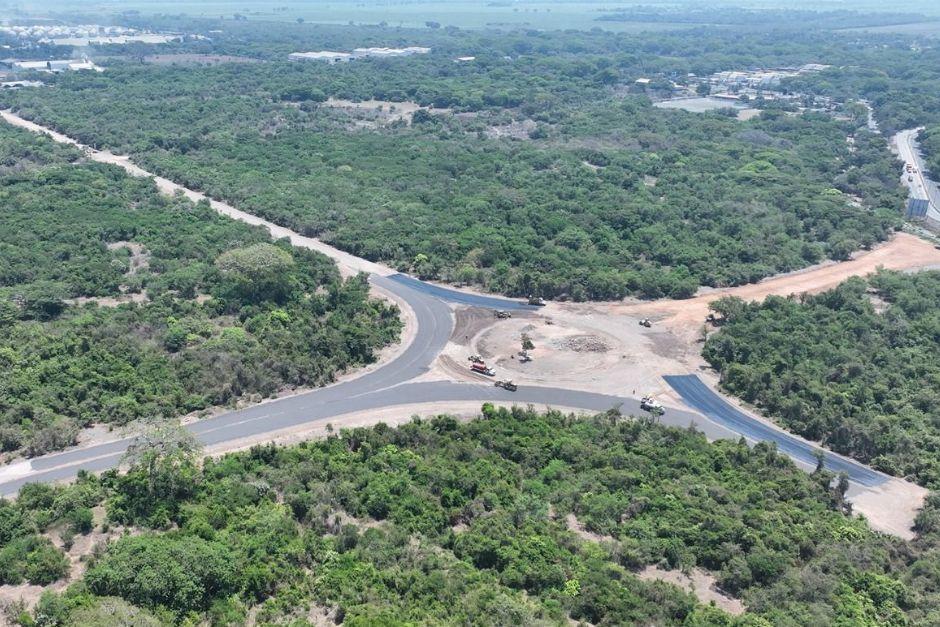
[507, 385]
[502, 313]
[481, 368]
[650, 404]
[538, 301]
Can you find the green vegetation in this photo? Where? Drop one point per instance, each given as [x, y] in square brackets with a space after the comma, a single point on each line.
[442, 522]
[930, 144]
[218, 312]
[25, 555]
[856, 368]
[599, 199]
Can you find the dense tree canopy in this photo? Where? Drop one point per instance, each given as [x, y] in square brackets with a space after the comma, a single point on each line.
[538, 169]
[514, 518]
[856, 367]
[117, 303]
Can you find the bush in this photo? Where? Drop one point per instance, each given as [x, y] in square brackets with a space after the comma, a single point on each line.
[177, 572]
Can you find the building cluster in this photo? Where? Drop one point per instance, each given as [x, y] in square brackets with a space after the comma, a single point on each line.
[53, 67]
[19, 84]
[331, 57]
[759, 80]
[84, 35]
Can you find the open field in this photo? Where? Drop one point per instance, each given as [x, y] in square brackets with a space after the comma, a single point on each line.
[461, 13]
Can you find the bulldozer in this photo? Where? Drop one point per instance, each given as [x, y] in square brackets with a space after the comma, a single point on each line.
[507, 385]
[502, 313]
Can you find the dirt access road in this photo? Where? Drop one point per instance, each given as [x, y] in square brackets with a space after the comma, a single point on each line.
[901, 252]
[634, 358]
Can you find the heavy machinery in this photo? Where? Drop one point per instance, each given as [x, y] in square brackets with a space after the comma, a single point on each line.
[481, 368]
[538, 301]
[524, 357]
[650, 404]
[475, 358]
[645, 322]
[502, 313]
[507, 385]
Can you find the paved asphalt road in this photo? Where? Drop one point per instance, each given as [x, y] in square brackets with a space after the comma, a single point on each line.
[389, 386]
[384, 387]
[921, 186]
[698, 395]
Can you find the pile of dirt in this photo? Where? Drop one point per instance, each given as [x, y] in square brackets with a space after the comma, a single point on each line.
[581, 344]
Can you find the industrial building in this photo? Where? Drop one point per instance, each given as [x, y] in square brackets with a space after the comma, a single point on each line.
[322, 55]
[60, 65]
[332, 57]
[390, 52]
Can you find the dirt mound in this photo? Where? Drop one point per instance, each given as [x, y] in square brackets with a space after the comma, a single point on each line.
[581, 344]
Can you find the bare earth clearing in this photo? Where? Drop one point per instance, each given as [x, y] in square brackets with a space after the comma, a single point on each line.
[601, 347]
[595, 347]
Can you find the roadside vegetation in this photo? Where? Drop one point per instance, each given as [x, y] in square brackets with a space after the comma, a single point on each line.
[547, 174]
[117, 303]
[856, 368]
[514, 518]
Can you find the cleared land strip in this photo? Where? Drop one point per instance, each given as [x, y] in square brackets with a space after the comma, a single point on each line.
[348, 264]
[386, 387]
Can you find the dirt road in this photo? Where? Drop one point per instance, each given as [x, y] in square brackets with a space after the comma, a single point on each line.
[902, 252]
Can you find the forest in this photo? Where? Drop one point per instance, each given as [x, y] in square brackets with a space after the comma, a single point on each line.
[598, 196]
[856, 368]
[119, 304]
[517, 517]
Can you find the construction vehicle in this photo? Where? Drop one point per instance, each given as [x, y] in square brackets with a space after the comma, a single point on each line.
[650, 404]
[645, 322]
[524, 357]
[910, 179]
[507, 385]
[481, 368]
[475, 358]
[502, 313]
[538, 301]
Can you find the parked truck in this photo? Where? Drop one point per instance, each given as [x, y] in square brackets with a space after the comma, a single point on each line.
[650, 404]
[481, 368]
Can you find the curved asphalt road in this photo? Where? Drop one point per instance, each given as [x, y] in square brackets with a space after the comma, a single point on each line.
[389, 385]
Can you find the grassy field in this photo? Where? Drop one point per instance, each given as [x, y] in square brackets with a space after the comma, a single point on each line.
[542, 14]
[465, 14]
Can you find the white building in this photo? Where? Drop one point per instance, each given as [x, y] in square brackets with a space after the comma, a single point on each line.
[60, 65]
[390, 52]
[323, 55]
